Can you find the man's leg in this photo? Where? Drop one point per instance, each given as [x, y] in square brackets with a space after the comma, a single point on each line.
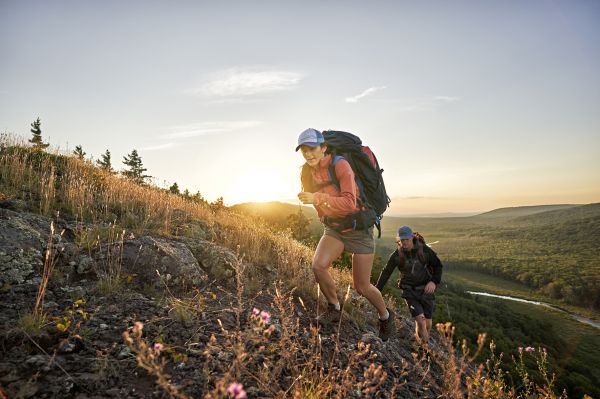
[428, 304]
[361, 276]
[421, 332]
[428, 323]
[328, 250]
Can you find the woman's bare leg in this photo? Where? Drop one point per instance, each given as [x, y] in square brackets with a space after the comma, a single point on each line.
[361, 275]
[328, 250]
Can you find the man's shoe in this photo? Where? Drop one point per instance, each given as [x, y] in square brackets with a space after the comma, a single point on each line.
[386, 327]
[330, 317]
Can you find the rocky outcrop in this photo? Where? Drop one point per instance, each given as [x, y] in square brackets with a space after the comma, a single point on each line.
[148, 259]
[217, 261]
[21, 244]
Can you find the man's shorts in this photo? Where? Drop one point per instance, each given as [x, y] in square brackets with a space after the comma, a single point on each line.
[419, 302]
[355, 241]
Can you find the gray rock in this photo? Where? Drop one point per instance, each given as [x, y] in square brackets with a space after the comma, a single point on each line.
[13, 204]
[219, 262]
[85, 264]
[124, 353]
[374, 341]
[50, 305]
[21, 241]
[145, 256]
[27, 390]
[68, 348]
[36, 361]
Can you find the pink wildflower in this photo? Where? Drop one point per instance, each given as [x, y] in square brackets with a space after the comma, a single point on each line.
[255, 312]
[236, 391]
[158, 347]
[137, 327]
[530, 349]
[265, 316]
[520, 349]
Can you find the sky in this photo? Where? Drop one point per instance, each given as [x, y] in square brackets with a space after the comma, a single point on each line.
[469, 106]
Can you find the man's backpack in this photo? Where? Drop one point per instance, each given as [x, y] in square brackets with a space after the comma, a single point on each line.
[368, 176]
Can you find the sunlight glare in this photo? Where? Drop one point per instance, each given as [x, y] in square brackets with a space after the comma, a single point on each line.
[259, 185]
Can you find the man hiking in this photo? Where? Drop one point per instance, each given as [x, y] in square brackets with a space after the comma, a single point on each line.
[333, 204]
[420, 274]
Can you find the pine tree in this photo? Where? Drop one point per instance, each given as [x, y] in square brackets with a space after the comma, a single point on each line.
[36, 140]
[105, 163]
[79, 152]
[198, 198]
[217, 204]
[136, 169]
[174, 189]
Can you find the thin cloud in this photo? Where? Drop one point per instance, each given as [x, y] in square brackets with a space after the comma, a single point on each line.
[445, 98]
[206, 128]
[236, 83]
[159, 147]
[364, 94]
[427, 104]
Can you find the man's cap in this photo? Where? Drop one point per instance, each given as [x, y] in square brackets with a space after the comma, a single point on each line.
[310, 137]
[405, 233]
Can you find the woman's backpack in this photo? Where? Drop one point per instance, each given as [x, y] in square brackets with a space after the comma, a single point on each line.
[368, 174]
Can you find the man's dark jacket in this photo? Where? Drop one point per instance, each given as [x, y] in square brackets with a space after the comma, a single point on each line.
[414, 273]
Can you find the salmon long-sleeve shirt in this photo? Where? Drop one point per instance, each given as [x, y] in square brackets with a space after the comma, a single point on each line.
[329, 201]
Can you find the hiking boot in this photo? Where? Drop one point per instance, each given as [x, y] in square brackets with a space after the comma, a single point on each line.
[386, 327]
[330, 317]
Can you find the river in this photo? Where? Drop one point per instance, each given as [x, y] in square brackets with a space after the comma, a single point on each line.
[577, 317]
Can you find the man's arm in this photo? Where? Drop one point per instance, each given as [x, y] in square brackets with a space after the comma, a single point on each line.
[436, 266]
[386, 272]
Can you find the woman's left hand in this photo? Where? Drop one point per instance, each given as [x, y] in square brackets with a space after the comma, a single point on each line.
[306, 198]
[430, 287]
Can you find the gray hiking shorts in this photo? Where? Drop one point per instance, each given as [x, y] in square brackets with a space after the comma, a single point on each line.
[355, 241]
[419, 302]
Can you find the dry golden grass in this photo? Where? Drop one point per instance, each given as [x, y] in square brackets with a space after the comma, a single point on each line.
[53, 183]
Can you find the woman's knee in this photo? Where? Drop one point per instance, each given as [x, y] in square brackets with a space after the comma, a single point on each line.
[319, 266]
[362, 288]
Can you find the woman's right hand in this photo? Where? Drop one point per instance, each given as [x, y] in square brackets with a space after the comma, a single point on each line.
[306, 198]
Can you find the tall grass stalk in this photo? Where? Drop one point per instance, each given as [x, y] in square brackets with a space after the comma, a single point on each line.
[49, 263]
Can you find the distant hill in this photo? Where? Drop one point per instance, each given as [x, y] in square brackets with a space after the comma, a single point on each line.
[577, 227]
[517, 211]
[561, 215]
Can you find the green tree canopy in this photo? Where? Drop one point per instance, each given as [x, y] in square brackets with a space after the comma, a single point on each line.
[174, 189]
[36, 138]
[105, 163]
[79, 152]
[136, 168]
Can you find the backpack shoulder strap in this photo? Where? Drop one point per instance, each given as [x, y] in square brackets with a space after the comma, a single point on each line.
[332, 176]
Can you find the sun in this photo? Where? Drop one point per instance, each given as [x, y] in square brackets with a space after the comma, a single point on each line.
[259, 185]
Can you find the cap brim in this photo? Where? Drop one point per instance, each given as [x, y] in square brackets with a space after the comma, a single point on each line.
[308, 144]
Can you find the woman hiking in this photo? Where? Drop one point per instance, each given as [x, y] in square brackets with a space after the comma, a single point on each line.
[334, 204]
